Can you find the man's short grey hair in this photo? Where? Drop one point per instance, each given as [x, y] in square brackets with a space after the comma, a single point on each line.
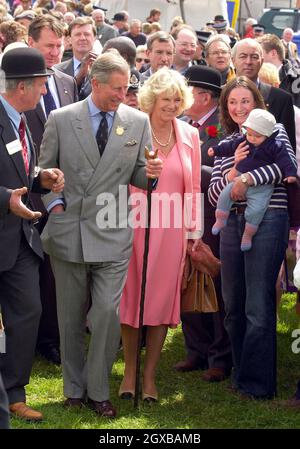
[13, 83]
[247, 40]
[106, 64]
[217, 38]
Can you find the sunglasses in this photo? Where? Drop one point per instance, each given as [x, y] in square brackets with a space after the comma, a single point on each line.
[146, 60]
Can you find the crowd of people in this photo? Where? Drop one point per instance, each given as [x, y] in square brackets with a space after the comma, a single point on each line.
[83, 98]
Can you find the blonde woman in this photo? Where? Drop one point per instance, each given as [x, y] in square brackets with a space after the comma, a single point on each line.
[164, 96]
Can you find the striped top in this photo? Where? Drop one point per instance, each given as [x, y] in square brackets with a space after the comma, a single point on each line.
[268, 174]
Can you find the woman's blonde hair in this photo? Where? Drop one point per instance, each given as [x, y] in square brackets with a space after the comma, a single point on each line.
[165, 81]
[268, 74]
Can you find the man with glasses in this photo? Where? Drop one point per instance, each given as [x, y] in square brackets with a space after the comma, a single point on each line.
[160, 50]
[185, 48]
[218, 56]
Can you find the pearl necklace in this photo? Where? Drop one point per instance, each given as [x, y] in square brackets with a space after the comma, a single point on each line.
[163, 144]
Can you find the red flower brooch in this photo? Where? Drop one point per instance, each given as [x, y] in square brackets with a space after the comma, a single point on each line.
[214, 131]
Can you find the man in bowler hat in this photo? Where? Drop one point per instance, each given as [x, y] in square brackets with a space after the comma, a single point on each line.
[206, 340]
[21, 250]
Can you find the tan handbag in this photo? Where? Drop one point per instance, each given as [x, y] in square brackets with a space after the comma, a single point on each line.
[198, 292]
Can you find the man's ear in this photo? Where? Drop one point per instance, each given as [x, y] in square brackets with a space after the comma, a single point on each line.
[30, 41]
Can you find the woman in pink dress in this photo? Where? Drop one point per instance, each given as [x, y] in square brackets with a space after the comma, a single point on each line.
[164, 96]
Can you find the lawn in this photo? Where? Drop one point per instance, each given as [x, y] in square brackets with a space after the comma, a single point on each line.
[186, 402]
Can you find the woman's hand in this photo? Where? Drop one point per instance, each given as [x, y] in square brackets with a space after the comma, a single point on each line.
[193, 244]
[240, 153]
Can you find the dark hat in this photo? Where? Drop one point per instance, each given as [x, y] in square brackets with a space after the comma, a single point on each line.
[205, 77]
[134, 80]
[99, 7]
[233, 41]
[29, 14]
[258, 28]
[119, 16]
[24, 63]
[219, 18]
[220, 26]
[203, 36]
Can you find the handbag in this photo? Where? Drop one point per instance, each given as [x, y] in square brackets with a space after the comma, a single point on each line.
[203, 259]
[198, 292]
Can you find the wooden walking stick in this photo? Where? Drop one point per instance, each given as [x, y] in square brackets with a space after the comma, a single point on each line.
[149, 155]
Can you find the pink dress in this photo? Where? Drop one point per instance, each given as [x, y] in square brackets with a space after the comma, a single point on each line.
[166, 246]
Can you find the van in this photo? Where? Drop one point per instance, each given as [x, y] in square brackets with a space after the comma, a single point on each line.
[277, 19]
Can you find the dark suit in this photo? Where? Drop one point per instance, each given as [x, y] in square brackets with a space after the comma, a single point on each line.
[48, 330]
[280, 104]
[20, 255]
[206, 340]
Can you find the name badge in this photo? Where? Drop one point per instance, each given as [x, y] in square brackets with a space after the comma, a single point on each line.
[13, 147]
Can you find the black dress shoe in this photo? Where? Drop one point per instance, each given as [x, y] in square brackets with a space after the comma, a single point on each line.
[51, 353]
[104, 408]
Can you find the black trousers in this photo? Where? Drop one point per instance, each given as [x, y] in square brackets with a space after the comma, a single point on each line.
[21, 310]
[206, 340]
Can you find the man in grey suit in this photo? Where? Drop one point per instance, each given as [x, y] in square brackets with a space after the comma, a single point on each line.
[104, 30]
[46, 34]
[100, 143]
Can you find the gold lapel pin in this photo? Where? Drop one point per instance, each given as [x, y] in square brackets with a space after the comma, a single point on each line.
[119, 130]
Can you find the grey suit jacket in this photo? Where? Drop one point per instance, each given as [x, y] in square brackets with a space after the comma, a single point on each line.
[106, 32]
[66, 67]
[92, 184]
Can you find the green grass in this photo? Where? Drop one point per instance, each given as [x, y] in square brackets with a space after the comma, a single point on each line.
[186, 402]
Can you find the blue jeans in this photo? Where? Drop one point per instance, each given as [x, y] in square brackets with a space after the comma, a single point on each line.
[258, 198]
[248, 287]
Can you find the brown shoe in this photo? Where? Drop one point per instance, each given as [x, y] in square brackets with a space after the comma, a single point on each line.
[21, 410]
[104, 408]
[214, 375]
[187, 365]
[293, 402]
[73, 403]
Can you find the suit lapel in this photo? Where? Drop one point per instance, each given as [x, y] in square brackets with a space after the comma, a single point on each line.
[40, 113]
[63, 93]
[8, 135]
[84, 133]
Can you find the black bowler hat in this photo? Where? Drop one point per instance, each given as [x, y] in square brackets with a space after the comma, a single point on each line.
[119, 16]
[24, 62]
[203, 36]
[99, 7]
[205, 77]
[259, 28]
[219, 18]
[134, 80]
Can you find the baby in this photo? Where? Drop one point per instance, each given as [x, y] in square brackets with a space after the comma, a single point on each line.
[264, 149]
